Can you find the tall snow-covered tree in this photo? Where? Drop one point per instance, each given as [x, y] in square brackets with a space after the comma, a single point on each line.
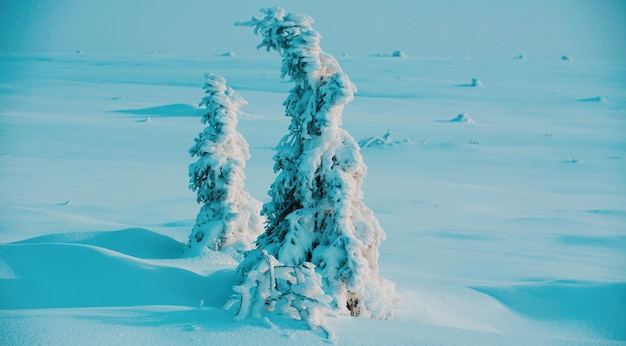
[229, 216]
[316, 217]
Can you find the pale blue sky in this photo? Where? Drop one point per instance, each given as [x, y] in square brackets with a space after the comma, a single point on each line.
[482, 28]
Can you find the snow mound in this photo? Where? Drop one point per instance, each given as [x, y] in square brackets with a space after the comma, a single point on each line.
[58, 275]
[462, 118]
[136, 242]
[384, 140]
[609, 212]
[598, 99]
[609, 242]
[173, 110]
[597, 305]
[187, 223]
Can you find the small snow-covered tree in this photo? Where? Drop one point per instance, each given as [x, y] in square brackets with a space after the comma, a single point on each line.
[229, 216]
[316, 217]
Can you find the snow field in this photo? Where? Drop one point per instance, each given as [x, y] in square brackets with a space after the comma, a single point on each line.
[504, 241]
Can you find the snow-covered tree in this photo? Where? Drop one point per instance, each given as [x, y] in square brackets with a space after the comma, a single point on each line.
[229, 216]
[316, 217]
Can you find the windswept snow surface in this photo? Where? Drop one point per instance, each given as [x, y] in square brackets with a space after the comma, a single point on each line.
[510, 230]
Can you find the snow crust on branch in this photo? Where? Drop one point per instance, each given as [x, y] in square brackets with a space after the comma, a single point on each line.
[229, 216]
[316, 217]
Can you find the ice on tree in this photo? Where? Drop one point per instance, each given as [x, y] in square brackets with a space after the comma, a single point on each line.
[317, 227]
[229, 216]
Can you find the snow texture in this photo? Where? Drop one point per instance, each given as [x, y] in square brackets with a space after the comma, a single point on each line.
[316, 217]
[229, 216]
[502, 243]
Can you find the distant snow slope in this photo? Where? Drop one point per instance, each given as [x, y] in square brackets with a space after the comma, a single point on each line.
[510, 230]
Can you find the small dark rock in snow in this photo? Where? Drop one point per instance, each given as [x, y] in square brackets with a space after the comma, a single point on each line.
[229, 54]
[566, 58]
[476, 82]
[462, 118]
[398, 54]
[520, 57]
[473, 84]
[65, 203]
